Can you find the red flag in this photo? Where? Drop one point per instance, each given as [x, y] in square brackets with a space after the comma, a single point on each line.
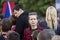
[12, 4]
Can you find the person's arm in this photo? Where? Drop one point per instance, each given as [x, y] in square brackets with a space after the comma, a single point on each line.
[19, 28]
[27, 35]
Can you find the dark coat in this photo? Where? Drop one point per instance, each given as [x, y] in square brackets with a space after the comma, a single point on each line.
[22, 23]
[1, 37]
[44, 25]
[58, 29]
[27, 33]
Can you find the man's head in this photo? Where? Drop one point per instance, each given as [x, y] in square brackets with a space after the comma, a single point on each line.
[44, 35]
[18, 10]
[34, 34]
[6, 25]
[13, 36]
[56, 37]
[33, 18]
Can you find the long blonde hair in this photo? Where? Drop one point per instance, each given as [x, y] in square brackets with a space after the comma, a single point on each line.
[51, 14]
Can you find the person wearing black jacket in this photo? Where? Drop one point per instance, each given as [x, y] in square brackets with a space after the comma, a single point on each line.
[22, 21]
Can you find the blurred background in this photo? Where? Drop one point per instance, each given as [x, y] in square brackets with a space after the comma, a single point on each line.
[38, 6]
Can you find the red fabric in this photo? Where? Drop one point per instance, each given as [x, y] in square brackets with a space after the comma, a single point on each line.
[27, 33]
[4, 8]
[12, 4]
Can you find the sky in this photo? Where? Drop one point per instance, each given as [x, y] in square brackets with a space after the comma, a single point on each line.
[57, 4]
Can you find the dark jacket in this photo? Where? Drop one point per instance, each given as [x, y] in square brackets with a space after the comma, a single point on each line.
[27, 33]
[58, 29]
[44, 25]
[22, 23]
[1, 37]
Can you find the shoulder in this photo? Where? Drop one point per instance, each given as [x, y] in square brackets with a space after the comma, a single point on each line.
[40, 28]
[43, 22]
[27, 29]
[26, 13]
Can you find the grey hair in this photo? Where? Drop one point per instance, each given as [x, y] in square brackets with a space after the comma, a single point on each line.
[56, 37]
[13, 36]
[44, 35]
[33, 13]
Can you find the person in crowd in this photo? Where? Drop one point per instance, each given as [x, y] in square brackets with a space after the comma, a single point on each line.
[1, 17]
[51, 21]
[45, 35]
[56, 37]
[58, 29]
[51, 18]
[34, 34]
[52, 32]
[1, 36]
[13, 19]
[33, 21]
[13, 36]
[6, 26]
[22, 21]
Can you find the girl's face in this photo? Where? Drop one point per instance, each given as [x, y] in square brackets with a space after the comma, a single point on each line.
[33, 20]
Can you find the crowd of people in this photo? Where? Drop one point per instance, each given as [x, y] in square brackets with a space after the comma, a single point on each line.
[23, 25]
